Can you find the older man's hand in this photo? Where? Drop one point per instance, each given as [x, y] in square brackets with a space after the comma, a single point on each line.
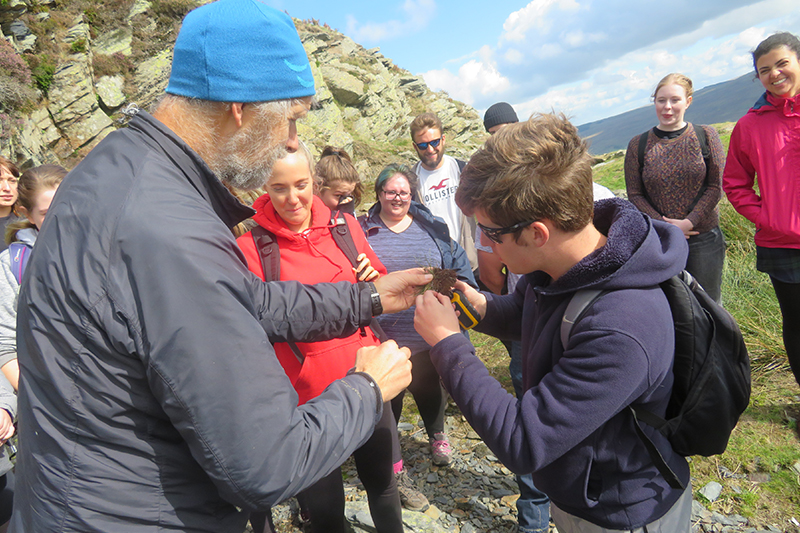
[388, 365]
[399, 289]
[435, 319]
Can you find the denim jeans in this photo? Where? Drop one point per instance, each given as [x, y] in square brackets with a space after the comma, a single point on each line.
[706, 259]
[533, 505]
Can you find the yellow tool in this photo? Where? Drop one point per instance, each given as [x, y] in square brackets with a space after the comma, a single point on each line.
[468, 317]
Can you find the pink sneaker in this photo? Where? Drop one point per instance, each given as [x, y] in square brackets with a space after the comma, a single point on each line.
[440, 449]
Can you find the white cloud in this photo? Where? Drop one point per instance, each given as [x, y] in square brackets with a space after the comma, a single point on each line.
[534, 16]
[596, 59]
[474, 78]
[514, 56]
[417, 16]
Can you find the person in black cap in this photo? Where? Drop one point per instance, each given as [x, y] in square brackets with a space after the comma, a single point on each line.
[497, 116]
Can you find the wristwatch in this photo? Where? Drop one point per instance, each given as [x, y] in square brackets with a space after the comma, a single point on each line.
[375, 298]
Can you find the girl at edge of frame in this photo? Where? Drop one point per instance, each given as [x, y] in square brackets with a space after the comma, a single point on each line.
[674, 182]
[36, 188]
[765, 147]
[300, 222]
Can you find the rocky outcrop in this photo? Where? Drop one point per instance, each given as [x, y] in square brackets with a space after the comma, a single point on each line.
[364, 101]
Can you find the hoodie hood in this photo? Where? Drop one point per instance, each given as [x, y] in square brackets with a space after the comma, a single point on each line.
[28, 236]
[267, 217]
[640, 252]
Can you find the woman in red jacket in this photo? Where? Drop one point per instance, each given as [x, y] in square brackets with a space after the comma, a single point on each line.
[301, 225]
[766, 143]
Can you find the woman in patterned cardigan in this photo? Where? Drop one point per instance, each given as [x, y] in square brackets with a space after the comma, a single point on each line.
[674, 181]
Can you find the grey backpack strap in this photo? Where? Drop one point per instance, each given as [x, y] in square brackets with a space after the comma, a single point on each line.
[580, 301]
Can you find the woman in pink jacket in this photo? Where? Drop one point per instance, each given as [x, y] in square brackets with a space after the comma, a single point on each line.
[766, 144]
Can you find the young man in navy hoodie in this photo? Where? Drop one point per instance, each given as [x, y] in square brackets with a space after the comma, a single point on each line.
[530, 189]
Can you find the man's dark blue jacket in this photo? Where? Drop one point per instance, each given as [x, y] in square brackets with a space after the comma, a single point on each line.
[151, 398]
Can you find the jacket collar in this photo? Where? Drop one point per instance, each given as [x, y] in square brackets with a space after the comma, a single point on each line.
[229, 209]
[267, 218]
[769, 102]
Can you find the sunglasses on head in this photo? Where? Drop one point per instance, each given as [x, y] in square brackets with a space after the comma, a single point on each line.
[496, 234]
[424, 146]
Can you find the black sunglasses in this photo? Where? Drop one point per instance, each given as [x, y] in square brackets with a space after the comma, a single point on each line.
[495, 234]
[424, 146]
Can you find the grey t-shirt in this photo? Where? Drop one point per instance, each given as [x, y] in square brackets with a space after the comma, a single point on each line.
[412, 248]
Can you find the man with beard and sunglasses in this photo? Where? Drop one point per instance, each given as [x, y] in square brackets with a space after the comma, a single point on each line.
[438, 176]
[151, 398]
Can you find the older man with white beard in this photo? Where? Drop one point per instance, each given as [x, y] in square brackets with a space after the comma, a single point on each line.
[150, 397]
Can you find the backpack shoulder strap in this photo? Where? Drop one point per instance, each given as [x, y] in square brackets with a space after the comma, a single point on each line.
[19, 253]
[268, 252]
[706, 151]
[642, 147]
[701, 136]
[270, 255]
[461, 165]
[640, 415]
[340, 231]
[576, 307]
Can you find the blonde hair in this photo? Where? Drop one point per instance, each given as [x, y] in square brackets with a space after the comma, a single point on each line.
[31, 183]
[676, 78]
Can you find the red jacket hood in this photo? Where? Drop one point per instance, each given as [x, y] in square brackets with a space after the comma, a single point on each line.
[267, 217]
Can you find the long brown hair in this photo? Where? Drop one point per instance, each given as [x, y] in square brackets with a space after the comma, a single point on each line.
[335, 165]
[31, 183]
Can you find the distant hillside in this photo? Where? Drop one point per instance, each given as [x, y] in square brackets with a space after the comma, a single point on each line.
[724, 102]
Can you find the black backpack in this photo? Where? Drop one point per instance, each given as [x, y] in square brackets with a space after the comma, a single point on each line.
[701, 136]
[270, 256]
[711, 368]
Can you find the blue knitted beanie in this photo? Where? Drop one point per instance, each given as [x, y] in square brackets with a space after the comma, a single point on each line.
[239, 51]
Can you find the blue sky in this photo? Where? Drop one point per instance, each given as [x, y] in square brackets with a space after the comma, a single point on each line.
[590, 59]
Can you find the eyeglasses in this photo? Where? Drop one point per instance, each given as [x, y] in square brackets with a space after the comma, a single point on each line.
[424, 146]
[495, 234]
[391, 195]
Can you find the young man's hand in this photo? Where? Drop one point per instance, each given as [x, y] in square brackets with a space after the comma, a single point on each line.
[388, 365]
[399, 289]
[435, 319]
[477, 299]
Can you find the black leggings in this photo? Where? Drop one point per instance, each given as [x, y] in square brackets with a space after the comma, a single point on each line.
[6, 496]
[789, 299]
[428, 393]
[324, 501]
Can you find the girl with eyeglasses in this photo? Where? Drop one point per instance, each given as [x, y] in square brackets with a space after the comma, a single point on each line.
[404, 234]
[340, 186]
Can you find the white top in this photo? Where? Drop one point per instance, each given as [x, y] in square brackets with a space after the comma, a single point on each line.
[437, 190]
